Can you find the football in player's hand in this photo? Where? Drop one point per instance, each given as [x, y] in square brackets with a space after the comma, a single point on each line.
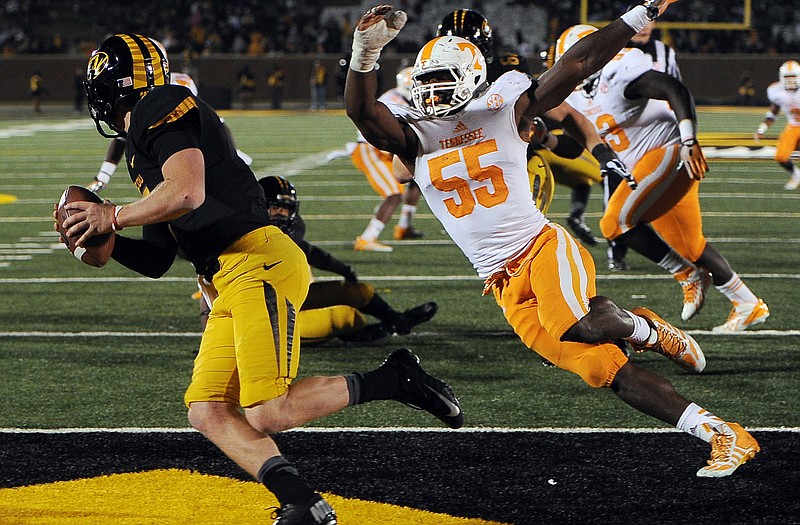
[97, 250]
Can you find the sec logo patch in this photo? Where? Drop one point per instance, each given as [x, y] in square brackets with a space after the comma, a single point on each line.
[494, 102]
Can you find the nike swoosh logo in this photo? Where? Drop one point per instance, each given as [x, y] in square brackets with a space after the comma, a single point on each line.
[271, 266]
[454, 409]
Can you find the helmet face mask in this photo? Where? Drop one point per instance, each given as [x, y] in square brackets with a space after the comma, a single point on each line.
[789, 74]
[447, 74]
[282, 203]
[568, 39]
[120, 71]
[471, 25]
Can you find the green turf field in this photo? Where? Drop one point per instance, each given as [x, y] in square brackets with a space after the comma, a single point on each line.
[85, 347]
[82, 348]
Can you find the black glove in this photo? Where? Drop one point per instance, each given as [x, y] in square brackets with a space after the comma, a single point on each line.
[610, 165]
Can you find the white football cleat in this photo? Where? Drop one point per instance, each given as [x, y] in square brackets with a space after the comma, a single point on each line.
[743, 316]
[366, 245]
[731, 447]
[695, 282]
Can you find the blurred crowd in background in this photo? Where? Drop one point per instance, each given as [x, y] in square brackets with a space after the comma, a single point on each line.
[257, 27]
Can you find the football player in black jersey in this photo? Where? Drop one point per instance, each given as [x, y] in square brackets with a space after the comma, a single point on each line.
[199, 196]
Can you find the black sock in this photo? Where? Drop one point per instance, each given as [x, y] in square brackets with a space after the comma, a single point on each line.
[381, 383]
[579, 199]
[380, 309]
[282, 479]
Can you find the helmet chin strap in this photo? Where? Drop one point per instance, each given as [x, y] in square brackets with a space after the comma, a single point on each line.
[118, 133]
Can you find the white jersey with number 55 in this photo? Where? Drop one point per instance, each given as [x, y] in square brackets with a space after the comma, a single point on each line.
[472, 170]
[630, 127]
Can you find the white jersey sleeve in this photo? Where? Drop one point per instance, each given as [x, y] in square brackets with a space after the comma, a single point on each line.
[630, 127]
[789, 102]
[472, 170]
[182, 79]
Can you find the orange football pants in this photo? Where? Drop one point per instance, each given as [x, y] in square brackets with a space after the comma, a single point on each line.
[660, 186]
[376, 165]
[788, 141]
[543, 293]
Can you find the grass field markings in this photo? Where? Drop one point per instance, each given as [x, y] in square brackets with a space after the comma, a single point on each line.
[418, 335]
[432, 430]
[384, 278]
[295, 166]
[51, 126]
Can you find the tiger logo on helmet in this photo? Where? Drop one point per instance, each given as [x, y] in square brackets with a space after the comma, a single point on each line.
[789, 74]
[448, 72]
[568, 39]
[120, 71]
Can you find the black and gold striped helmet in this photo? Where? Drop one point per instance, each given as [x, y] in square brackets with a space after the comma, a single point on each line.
[280, 193]
[124, 67]
[471, 25]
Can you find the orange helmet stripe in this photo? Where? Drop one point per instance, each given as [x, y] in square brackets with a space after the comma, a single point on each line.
[425, 53]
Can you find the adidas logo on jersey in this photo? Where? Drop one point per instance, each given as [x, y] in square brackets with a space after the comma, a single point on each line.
[460, 128]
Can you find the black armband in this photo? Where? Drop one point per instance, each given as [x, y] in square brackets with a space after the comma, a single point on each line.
[603, 153]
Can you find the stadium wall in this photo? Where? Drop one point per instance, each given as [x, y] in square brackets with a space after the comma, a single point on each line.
[712, 78]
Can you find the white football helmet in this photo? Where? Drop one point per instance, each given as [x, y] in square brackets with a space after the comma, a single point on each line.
[404, 82]
[568, 39]
[448, 72]
[789, 73]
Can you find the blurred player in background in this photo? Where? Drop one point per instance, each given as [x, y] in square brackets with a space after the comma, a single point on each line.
[198, 196]
[461, 141]
[377, 167]
[784, 95]
[336, 308]
[664, 60]
[648, 118]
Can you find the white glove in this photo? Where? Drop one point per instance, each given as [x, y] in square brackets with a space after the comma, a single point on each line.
[374, 30]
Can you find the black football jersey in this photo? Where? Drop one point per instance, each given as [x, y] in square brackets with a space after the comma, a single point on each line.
[170, 119]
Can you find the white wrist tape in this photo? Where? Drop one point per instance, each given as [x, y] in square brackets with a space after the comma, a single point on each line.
[106, 171]
[362, 59]
[762, 128]
[687, 130]
[368, 43]
[770, 115]
[637, 18]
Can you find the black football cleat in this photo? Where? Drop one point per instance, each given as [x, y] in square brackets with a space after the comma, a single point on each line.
[582, 230]
[316, 511]
[422, 391]
[412, 317]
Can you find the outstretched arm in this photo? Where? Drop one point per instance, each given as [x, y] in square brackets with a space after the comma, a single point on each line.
[378, 125]
[589, 55]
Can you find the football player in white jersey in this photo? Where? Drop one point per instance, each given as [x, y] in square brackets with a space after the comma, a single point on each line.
[785, 96]
[648, 118]
[664, 60]
[461, 141]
